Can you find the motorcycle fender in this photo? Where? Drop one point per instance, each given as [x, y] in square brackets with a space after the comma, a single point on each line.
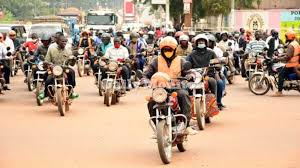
[258, 73]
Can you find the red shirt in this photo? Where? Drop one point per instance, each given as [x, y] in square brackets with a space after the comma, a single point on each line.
[31, 46]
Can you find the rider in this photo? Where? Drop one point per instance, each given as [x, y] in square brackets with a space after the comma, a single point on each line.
[200, 58]
[3, 60]
[12, 36]
[169, 63]
[106, 43]
[192, 34]
[57, 54]
[43, 48]
[178, 34]
[272, 43]
[142, 39]
[292, 58]
[150, 39]
[137, 50]
[117, 52]
[184, 48]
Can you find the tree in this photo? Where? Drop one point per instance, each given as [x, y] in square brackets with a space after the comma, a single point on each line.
[8, 17]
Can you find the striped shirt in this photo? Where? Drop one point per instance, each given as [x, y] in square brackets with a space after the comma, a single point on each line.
[256, 46]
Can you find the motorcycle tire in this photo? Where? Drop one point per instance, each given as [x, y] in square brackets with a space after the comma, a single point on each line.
[114, 99]
[80, 68]
[264, 80]
[207, 120]
[29, 82]
[200, 113]
[107, 97]
[60, 102]
[181, 147]
[100, 88]
[165, 150]
[37, 93]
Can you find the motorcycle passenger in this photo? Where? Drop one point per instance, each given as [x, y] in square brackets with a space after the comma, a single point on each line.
[106, 43]
[169, 63]
[12, 36]
[292, 57]
[86, 41]
[4, 59]
[57, 54]
[200, 58]
[150, 39]
[116, 52]
[142, 39]
[192, 34]
[33, 44]
[184, 48]
[242, 40]
[137, 50]
[272, 43]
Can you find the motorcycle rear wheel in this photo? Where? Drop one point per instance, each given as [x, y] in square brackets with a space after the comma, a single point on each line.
[164, 142]
[60, 101]
[200, 113]
[114, 99]
[252, 81]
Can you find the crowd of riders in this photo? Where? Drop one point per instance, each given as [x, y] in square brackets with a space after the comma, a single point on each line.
[164, 46]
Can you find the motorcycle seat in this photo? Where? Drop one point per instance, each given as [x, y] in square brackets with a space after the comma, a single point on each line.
[293, 76]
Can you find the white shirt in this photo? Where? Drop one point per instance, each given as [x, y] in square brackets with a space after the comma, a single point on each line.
[218, 52]
[3, 51]
[9, 43]
[115, 53]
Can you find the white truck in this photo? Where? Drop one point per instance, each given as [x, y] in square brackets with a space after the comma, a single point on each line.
[102, 20]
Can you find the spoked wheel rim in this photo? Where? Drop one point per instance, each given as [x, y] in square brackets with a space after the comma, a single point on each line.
[164, 142]
[200, 113]
[60, 98]
[258, 86]
[80, 68]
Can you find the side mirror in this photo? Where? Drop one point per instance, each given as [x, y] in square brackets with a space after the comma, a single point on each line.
[8, 54]
[229, 44]
[7, 48]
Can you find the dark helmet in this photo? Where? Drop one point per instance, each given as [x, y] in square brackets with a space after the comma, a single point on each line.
[117, 39]
[45, 37]
[34, 36]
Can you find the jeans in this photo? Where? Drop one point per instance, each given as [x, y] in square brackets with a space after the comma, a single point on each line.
[220, 90]
[183, 101]
[283, 74]
[140, 61]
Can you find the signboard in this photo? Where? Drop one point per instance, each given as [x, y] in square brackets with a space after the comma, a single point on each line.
[158, 2]
[289, 20]
[129, 9]
[256, 20]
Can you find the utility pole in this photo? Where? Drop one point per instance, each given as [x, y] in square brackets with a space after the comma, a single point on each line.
[167, 13]
[188, 14]
[232, 14]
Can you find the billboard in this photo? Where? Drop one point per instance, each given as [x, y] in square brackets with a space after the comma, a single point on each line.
[129, 9]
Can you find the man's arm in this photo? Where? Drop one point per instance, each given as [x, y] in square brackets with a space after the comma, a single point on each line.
[48, 56]
[152, 69]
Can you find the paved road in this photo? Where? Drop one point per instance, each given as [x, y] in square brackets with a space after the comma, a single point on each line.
[254, 132]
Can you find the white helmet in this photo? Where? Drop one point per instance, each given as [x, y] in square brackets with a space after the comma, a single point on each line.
[184, 38]
[201, 36]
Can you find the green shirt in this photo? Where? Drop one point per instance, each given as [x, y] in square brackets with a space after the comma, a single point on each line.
[56, 55]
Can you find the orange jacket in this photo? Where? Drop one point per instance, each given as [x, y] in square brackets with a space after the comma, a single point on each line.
[294, 61]
[174, 70]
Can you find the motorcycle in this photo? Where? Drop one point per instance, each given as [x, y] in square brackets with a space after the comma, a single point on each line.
[61, 91]
[169, 125]
[32, 66]
[83, 62]
[198, 97]
[98, 76]
[113, 85]
[261, 82]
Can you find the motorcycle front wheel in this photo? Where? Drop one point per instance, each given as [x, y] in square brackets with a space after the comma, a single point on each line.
[107, 97]
[37, 93]
[29, 82]
[164, 141]
[259, 86]
[200, 113]
[80, 68]
[60, 98]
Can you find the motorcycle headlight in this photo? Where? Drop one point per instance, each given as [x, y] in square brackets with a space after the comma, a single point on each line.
[113, 66]
[80, 51]
[57, 70]
[280, 50]
[159, 95]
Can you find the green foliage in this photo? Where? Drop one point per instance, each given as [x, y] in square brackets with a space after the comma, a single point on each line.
[8, 17]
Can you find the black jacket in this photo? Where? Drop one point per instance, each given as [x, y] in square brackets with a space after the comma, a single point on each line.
[200, 58]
